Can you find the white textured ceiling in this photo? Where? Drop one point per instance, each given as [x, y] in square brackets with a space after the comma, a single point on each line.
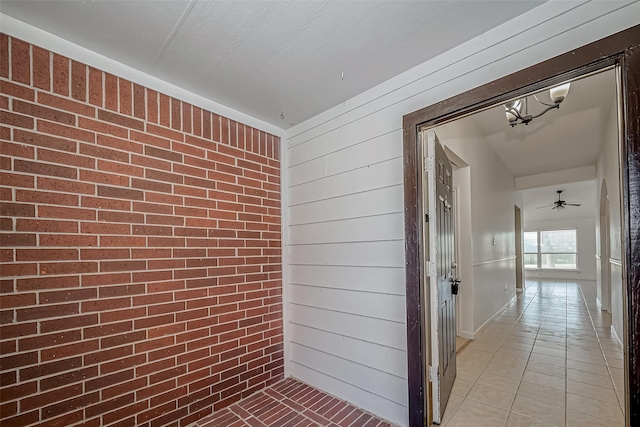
[561, 139]
[267, 57]
[583, 192]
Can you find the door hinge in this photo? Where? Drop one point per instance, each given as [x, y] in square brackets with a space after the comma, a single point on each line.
[433, 373]
[426, 217]
[429, 164]
[431, 268]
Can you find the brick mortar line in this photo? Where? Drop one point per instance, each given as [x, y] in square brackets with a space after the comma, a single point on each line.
[144, 121]
[270, 280]
[143, 248]
[31, 69]
[141, 317]
[173, 193]
[9, 56]
[268, 342]
[148, 362]
[271, 391]
[118, 309]
[149, 401]
[184, 112]
[269, 328]
[96, 133]
[281, 398]
[173, 248]
[143, 167]
[21, 263]
[152, 236]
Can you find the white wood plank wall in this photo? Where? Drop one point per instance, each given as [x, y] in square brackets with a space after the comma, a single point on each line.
[344, 282]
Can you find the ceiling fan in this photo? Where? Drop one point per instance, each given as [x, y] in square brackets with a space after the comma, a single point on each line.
[559, 204]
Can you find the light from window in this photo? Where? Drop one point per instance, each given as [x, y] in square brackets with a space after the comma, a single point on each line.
[530, 249]
[551, 250]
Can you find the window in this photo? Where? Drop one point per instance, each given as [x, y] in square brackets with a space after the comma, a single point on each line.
[551, 250]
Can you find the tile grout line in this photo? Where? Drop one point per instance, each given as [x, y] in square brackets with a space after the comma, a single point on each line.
[503, 340]
[606, 361]
[566, 363]
[556, 303]
[534, 343]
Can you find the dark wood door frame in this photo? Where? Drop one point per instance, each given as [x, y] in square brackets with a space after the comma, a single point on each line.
[622, 48]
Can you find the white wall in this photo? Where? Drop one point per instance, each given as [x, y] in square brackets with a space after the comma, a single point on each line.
[344, 288]
[607, 168]
[493, 197]
[586, 234]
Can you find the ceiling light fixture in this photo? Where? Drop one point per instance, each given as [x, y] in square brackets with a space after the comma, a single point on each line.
[514, 109]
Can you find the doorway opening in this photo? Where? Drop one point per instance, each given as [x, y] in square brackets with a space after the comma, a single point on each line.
[534, 342]
[569, 67]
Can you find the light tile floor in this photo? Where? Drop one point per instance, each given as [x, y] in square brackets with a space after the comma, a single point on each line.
[461, 343]
[549, 359]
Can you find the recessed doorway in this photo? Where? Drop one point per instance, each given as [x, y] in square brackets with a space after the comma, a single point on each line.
[550, 340]
[563, 70]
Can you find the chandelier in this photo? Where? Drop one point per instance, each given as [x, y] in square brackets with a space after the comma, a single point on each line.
[517, 111]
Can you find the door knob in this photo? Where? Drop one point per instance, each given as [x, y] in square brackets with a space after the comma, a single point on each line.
[454, 265]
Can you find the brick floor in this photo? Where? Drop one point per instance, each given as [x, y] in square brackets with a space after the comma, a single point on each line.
[291, 403]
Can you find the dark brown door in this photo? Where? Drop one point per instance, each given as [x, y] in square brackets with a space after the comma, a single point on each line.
[441, 270]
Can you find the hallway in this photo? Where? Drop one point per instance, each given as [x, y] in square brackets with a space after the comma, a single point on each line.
[549, 359]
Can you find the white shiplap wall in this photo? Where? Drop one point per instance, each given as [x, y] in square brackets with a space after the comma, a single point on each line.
[344, 282]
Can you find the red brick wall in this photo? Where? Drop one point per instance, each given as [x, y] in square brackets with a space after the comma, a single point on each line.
[141, 261]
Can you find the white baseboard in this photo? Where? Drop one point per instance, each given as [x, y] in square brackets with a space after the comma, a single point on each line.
[519, 291]
[467, 335]
[496, 314]
[600, 306]
[615, 336]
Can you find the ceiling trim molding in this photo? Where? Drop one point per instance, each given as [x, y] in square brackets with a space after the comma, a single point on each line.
[565, 176]
[36, 36]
